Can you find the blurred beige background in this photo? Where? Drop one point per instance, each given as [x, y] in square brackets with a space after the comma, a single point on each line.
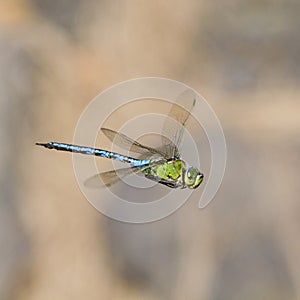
[243, 56]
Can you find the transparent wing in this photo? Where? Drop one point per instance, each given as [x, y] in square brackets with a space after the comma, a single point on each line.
[109, 178]
[174, 125]
[129, 144]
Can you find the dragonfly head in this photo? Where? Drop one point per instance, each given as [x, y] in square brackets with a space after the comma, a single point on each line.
[193, 177]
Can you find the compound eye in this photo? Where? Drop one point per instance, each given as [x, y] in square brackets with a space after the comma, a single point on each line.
[193, 178]
[192, 173]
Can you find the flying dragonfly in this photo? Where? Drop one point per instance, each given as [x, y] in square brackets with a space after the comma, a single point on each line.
[162, 165]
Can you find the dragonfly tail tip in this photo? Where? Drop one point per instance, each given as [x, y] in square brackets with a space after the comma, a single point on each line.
[43, 144]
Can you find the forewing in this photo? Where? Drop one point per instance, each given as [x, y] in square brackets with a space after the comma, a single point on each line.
[175, 122]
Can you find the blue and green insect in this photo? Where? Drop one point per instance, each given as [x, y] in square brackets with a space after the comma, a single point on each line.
[163, 164]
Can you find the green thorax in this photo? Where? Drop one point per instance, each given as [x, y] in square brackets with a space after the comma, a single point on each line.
[169, 170]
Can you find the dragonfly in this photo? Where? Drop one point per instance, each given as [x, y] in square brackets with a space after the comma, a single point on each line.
[163, 164]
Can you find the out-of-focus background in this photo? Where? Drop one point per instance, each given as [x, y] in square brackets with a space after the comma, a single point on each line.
[243, 56]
